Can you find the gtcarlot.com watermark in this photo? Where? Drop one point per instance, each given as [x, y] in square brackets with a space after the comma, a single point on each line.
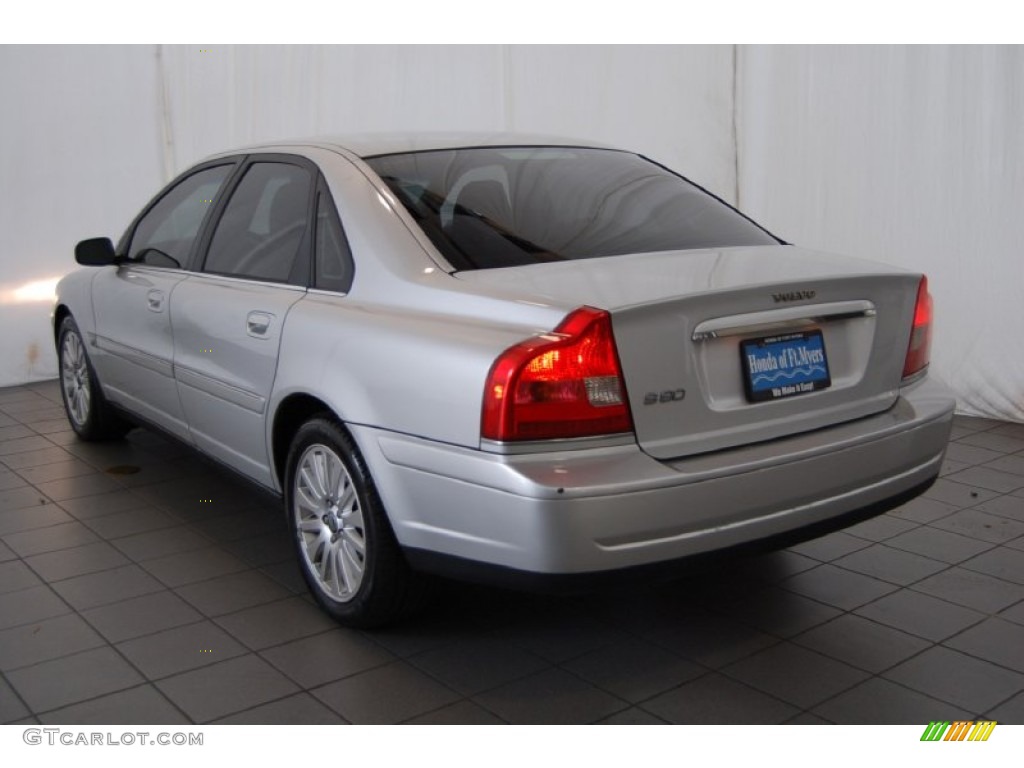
[71, 738]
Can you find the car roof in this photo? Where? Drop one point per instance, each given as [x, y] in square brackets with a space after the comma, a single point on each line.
[371, 144]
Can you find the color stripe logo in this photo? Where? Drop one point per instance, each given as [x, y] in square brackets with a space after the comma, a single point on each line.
[960, 730]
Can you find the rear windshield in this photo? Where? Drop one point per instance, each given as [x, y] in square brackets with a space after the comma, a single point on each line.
[509, 206]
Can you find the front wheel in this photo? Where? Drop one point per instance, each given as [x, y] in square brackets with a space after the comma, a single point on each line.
[87, 410]
[344, 543]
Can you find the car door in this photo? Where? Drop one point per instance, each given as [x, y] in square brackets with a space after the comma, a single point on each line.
[227, 317]
[133, 351]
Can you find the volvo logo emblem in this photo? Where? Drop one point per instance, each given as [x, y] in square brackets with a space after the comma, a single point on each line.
[793, 296]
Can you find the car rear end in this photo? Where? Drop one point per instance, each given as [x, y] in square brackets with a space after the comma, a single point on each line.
[695, 396]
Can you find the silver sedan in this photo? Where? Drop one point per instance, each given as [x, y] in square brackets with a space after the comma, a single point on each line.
[508, 358]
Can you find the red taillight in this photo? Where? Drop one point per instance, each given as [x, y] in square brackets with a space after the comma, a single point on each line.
[566, 384]
[919, 349]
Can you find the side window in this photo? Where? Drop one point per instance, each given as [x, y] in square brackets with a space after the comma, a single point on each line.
[262, 227]
[164, 236]
[333, 259]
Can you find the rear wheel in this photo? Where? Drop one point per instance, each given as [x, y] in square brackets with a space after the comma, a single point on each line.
[344, 543]
[87, 410]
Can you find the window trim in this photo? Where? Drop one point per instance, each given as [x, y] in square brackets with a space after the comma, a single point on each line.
[323, 192]
[302, 268]
[125, 243]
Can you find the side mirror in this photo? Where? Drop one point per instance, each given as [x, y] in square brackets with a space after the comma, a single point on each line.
[95, 252]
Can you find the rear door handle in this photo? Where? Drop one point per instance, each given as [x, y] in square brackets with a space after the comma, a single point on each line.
[155, 300]
[258, 323]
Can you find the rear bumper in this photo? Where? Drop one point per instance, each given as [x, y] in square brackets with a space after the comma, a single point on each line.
[604, 509]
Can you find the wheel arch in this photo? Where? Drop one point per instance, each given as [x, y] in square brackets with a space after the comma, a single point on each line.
[291, 413]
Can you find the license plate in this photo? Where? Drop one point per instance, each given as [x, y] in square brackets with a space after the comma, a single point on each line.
[783, 366]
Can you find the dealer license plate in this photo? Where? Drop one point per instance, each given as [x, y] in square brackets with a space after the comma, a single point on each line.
[784, 366]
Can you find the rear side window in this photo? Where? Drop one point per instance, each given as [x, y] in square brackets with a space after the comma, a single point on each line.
[263, 226]
[509, 206]
[333, 259]
[164, 236]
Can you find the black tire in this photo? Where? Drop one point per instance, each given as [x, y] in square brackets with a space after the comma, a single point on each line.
[346, 549]
[87, 410]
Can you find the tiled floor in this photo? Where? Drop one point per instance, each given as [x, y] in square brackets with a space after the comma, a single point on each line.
[169, 595]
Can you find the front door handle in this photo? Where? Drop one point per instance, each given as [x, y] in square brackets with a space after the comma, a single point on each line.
[155, 300]
[258, 323]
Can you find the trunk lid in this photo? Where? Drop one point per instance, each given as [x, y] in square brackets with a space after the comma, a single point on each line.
[680, 321]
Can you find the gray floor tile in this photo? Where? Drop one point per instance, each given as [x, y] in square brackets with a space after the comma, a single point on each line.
[1004, 506]
[31, 518]
[632, 716]
[1010, 712]
[44, 640]
[6, 554]
[144, 705]
[11, 707]
[951, 467]
[806, 718]
[779, 612]
[1002, 562]
[963, 681]
[11, 430]
[717, 700]
[1014, 613]
[158, 544]
[141, 616]
[1013, 463]
[862, 643]
[880, 528]
[459, 713]
[958, 494]
[1010, 430]
[300, 709]
[828, 548]
[920, 615]
[773, 567]
[995, 640]
[30, 605]
[880, 702]
[9, 480]
[326, 657]
[57, 471]
[938, 545]
[994, 442]
[274, 547]
[971, 454]
[893, 565]
[50, 538]
[388, 694]
[838, 587]
[15, 499]
[226, 594]
[992, 479]
[971, 589]
[549, 698]
[231, 686]
[111, 586]
[193, 566]
[981, 525]
[88, 558]
[921, 509]
[88, 507]
[634, 670]
[713, 641]
[9, 448]
[271, 624]
[71, 679]
[76, 487]
[15, 575]
[127, 523]
[558, 638]
[796, 675]
[180, 649]
[477, 664]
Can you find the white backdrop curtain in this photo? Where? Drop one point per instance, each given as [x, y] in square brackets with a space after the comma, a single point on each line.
[907, 155]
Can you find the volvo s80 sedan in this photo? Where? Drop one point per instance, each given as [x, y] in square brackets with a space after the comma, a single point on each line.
[508, 358]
